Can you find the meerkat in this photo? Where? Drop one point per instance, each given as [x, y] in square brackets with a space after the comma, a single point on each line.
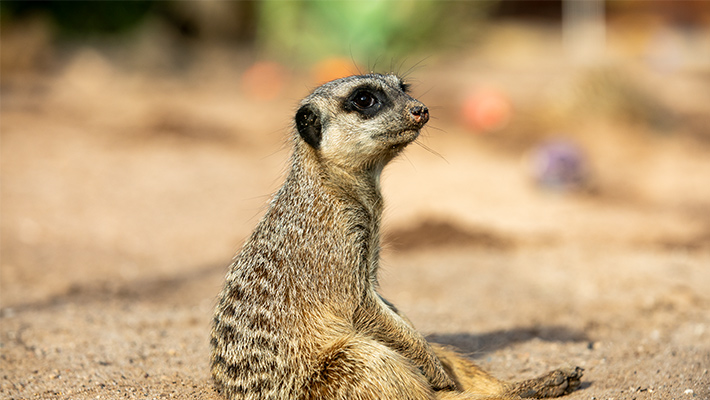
[300, 316]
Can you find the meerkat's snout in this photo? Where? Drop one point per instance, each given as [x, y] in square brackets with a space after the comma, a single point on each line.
[420, 114]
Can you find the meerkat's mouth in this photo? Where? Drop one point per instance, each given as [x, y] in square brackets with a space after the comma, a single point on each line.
[402, 137]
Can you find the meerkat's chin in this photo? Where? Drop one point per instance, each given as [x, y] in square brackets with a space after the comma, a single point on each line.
[403, 137]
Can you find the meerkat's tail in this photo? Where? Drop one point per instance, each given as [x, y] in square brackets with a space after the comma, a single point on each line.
[478, 384]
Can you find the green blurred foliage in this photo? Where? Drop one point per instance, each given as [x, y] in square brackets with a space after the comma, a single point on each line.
[304, 31]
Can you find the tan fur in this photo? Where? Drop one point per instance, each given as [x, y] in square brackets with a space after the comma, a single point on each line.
[299, 316]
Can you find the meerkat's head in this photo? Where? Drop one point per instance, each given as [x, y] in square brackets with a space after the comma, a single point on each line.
[360, 122]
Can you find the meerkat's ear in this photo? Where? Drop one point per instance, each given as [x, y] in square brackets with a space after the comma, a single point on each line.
[309, 126]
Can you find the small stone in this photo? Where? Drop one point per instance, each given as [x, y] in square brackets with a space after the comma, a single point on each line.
[656, 335]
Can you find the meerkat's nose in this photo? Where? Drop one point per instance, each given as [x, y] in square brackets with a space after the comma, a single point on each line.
[420, 114]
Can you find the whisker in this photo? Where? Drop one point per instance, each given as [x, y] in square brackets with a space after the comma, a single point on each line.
[406, 157]
[427, 91]
[418, 64]
[352, 59]
[373, 67]
[435, 128]
[430, 150]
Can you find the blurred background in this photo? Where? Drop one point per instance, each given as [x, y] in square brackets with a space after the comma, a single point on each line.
[566, 167]
[143, 138]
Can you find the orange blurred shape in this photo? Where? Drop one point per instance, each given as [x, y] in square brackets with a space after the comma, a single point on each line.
[333, 68]
[486, 110]
[264, 80]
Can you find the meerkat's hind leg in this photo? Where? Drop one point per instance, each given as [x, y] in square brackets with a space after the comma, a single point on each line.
[354, 366]
[468, 376]
[357, 367]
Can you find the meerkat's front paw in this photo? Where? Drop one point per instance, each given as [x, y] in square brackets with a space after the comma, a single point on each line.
[443, 382]
[553, 384]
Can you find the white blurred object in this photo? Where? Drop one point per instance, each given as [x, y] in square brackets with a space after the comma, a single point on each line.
[584, 30]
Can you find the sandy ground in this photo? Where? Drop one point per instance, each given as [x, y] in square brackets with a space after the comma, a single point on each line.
[125, 195]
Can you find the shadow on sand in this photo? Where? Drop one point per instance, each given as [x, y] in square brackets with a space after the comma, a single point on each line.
[477, 345]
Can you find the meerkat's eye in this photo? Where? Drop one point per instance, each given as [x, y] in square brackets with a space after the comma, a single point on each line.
[364, 99]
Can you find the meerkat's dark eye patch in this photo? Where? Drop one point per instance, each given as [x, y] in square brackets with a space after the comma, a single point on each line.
[366, 101]
[309, 126]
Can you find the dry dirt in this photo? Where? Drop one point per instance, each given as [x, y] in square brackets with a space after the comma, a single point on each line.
[125, 194]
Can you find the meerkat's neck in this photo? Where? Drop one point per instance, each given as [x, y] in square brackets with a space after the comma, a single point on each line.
[358, 201]
[361, 186]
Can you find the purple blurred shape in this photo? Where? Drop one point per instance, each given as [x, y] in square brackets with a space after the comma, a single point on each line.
[559, 164]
